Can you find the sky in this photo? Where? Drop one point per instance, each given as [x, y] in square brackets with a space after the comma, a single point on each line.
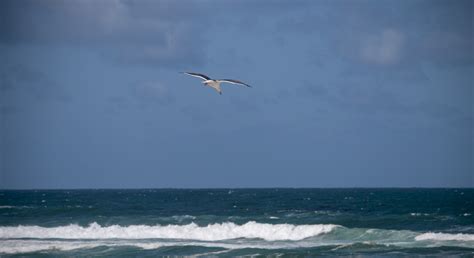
[345, 94]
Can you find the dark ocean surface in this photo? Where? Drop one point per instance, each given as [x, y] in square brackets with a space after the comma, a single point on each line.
[237, 222]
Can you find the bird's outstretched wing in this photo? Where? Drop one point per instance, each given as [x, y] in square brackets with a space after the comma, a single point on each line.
[234, 82]
[202, 76]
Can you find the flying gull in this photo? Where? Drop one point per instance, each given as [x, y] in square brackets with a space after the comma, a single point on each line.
[215, 84]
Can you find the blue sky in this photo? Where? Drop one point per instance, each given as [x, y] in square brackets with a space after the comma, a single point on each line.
[345, 94]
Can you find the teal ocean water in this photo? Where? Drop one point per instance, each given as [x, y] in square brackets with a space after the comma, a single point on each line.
[237, 222]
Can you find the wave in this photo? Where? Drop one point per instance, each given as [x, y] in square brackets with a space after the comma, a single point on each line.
[32, 245]
[183, 217]
[418, 214]
[12, 246]
[212, 232]
[445, 237]
[18, 246]
[227, 235]
[14, 207]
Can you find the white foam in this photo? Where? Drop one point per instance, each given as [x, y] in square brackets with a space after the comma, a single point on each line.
[140, 236]
[14, 207]
[30, 245]
[212, 232]
[183, 217]
[417, 214]
[19, 246]
[445, 237]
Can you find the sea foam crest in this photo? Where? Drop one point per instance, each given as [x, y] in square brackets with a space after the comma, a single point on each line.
[445, 237]
[212, 232]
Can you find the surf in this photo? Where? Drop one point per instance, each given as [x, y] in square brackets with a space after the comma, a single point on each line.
[211, 232]
[227, 236]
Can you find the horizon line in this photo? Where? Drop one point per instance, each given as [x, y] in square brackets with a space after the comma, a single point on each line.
[233, 188]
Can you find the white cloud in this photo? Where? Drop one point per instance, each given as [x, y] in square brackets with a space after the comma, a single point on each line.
[383, 48]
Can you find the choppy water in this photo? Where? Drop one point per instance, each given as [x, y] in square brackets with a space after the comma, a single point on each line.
[232, 222]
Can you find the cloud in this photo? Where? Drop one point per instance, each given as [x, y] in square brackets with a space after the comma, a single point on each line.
[381, 33]
[383, 48]
[371, 54]
[163, 33]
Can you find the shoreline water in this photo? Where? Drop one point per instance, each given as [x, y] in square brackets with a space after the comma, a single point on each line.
[229, 222]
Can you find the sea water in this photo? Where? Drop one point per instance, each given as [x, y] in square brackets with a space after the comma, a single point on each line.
[237, 222]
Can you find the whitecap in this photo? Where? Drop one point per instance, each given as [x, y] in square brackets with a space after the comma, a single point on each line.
[33, 245]
[20, 246]
[445, 237]
[24, 239]
[14, 207]
[418, 214]
[211, 232]
[181, 218]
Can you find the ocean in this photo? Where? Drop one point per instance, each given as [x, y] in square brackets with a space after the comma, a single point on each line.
[237, 222]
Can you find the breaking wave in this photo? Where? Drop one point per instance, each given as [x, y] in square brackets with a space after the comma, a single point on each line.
[227, 236]
[212, 232]
[445, 237]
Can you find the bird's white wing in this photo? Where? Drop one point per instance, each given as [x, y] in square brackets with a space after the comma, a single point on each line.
[234, 82]
[198, 75]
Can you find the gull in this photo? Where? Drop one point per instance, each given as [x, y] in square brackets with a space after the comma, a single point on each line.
[213, 83]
